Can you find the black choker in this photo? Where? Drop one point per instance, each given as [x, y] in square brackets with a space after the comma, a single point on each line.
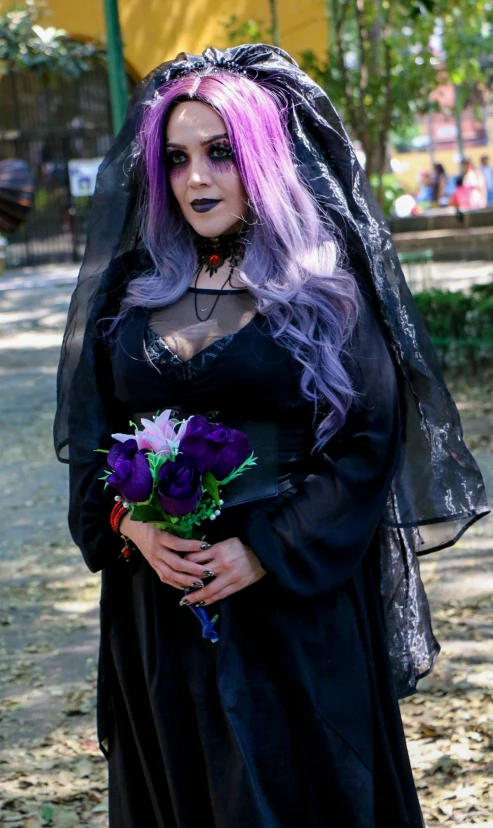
[212, 253]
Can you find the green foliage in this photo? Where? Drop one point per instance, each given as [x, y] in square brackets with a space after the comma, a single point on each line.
[146, 513]
[479, 322]
[47, 814]
[483, 291]
[24, 44]
[391, 189]
[246, 31]
[248, 463]
[455, 315]
[210, 484]
[387, 56]
[402, 136]
[444, 312]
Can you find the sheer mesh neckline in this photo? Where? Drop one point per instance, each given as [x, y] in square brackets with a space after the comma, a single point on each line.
[200, 319]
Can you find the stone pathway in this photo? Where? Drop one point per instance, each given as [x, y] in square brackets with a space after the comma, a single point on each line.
[53, 773]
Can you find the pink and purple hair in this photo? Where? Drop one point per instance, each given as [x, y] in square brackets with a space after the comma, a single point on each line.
[292, 262]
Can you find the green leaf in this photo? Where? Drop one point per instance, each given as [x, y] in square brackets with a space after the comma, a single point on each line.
[47, 813]
[146, 514]
[210, 484]
[103, 451]
[250, 461]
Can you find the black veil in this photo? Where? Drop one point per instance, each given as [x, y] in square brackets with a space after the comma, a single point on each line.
[438, 490]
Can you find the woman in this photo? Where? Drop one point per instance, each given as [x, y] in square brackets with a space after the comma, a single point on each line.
[439, 183]
[237, 251]
[425, 192]
[474, 181]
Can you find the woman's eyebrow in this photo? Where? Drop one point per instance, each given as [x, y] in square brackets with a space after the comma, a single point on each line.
[202, 143]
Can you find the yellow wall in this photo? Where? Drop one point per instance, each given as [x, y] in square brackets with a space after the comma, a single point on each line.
[156, 30]
[416, 162]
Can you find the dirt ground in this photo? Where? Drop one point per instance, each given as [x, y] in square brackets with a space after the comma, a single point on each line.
[53, 773]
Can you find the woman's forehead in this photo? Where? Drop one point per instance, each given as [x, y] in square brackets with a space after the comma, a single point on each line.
[193, 121]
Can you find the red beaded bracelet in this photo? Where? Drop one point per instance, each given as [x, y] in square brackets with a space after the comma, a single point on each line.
[118, 512]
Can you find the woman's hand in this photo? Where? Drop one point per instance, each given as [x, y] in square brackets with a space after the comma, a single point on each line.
[161, 550]
[234, 566]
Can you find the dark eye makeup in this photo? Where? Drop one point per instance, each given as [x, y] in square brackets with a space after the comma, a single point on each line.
[218, 153]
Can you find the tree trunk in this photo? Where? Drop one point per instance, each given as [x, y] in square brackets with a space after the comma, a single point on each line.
[458, 107]
[488, 115]
[376, 160]
[273, 22]
[372, 152]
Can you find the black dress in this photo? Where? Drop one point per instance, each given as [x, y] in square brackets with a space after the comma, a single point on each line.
[291, 719]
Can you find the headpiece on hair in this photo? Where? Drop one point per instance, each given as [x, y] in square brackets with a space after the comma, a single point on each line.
[438, 490]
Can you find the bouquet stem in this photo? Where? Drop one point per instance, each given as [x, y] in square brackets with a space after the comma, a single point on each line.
[208, 630]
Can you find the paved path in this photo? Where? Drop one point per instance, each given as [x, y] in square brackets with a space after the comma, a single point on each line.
[49, 599]
[54, 774]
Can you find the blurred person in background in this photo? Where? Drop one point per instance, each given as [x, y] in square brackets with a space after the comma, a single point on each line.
[461, 198]
[488, 177]
[425, 193]
[439, 185]
[475, 181]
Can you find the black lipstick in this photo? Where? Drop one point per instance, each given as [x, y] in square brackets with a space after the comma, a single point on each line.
[203, 205]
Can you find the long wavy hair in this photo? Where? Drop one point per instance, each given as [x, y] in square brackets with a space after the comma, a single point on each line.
[293, 265]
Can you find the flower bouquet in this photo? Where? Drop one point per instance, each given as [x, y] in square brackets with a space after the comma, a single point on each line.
[171, 473]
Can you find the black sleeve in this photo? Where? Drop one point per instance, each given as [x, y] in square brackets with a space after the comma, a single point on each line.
[89, 516]
[312, 540]
[90, 503]
[95, 411]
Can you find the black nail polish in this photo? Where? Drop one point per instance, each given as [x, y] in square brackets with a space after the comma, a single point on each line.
[208, 573]
[184, 602]
[198, 584]
[205, 546]
[200, 604]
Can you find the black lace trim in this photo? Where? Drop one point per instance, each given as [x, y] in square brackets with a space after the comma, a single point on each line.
[160, 354]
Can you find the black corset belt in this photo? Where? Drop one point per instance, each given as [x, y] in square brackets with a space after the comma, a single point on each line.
[282, 451]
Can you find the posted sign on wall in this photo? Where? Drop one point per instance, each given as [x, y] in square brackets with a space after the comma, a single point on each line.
[82, 174]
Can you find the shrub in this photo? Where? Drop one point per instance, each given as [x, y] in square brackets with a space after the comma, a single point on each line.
[445, 312]
[461, 326]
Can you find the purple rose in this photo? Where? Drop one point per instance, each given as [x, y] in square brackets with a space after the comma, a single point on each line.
[203, 441]
[214, 447]
[179, 487]
[232, 455]
[131, 474]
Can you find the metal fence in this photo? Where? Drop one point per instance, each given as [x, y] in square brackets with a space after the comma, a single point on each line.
[46, 123]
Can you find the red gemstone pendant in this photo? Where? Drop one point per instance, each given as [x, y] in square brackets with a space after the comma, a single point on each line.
[214, 260]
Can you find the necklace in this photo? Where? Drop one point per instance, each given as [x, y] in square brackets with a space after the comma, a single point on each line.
[234, 262]
[213, 252]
